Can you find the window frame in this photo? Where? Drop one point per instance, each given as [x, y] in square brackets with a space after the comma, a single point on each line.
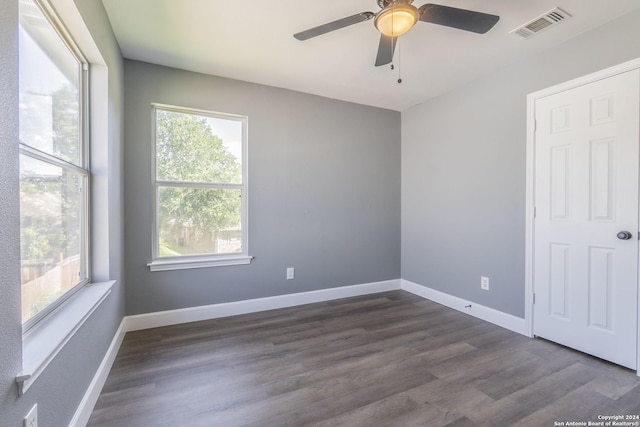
[162, 263]
[82, 169]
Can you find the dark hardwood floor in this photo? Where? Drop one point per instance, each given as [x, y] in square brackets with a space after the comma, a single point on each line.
[390, 359]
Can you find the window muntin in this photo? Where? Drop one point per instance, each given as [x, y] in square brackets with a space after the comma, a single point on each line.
[53, 165]
[200, 189]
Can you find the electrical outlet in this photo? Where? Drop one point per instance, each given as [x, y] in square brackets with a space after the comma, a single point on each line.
[290, 273]
[484, 283]
[31, 420]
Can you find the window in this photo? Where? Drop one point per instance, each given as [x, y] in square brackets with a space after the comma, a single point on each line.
[53, 163]
[200, 210]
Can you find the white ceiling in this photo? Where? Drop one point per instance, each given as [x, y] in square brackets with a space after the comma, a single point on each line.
[253, 41]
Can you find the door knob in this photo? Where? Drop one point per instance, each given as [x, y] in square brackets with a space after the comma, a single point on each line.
[624, 235]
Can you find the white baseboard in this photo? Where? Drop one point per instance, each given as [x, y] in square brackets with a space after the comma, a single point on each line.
[84, 410]
[487, 314]
[214, 311]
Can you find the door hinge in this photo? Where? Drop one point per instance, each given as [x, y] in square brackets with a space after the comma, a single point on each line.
[534, 297]
[535, 211]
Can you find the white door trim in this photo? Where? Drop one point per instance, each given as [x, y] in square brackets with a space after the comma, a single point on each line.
[530, 179]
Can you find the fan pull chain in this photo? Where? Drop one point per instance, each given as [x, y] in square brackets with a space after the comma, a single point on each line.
[399, 62]
[392, 42]
[393, 46]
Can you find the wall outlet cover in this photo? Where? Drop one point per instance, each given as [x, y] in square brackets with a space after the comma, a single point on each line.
[484, 283]
[31, 420]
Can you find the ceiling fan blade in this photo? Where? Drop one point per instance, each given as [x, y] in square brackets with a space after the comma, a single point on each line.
[385, 50]
[335, 25]
[461, 19]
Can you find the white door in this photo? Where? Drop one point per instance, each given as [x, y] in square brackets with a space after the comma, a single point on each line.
[586, 192]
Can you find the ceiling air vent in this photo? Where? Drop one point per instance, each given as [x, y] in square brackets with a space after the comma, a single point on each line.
[533, 27]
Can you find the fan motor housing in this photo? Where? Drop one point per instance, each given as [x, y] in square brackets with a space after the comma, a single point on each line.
[385, 3]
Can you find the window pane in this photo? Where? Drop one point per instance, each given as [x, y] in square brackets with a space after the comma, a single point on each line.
[195, 221]
[49, 88]
[198, 148]
[51, 237]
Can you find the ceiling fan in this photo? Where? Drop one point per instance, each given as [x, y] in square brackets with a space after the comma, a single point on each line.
[396, 17]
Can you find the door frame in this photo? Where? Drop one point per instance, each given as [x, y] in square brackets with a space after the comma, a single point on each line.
[530, 183]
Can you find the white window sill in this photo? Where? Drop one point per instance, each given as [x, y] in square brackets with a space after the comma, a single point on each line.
[42, 343]
[187, 263]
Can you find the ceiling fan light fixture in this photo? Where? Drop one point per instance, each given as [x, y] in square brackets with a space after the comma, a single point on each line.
[396, 19]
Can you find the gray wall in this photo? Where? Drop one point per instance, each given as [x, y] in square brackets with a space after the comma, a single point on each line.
[60, 388]
[324, 191]
[463, 170]
[10, 315]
